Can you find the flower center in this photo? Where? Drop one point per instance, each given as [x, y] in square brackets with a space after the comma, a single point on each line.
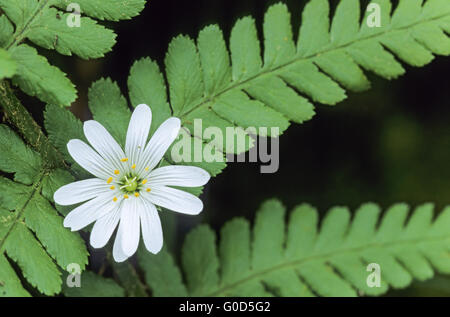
[130, 184]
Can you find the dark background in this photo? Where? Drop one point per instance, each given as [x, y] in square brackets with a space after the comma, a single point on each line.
[390, 144]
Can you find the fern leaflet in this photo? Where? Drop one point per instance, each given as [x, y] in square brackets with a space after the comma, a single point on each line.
[31, 231]
[298, 259]
[45, 25]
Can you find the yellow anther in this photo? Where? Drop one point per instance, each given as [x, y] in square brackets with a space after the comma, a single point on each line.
[144, 182]
[147, 168]
[124, 160]
[117, 172]
[109, 181]
[148, 190]
[136, 194]
[112, 187]
[114, 199]
[133, 166]
[126, 196]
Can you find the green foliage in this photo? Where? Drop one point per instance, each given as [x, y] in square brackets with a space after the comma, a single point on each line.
[146, 85]
[250, 88]
[47, 24]
[6, 29]
[296, 258]
[112, 10]
[110, 108]
[439, 286]
[7, 65]
[226, 83]
[158, 271]
[93, 285]
[62, 126]
[37, 77]
[128, 278]
[20, 160]
[32, 234]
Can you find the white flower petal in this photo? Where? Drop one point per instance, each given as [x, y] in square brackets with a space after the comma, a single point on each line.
[118, 253]
[129, 221]
[104, 143]
[175, 200]
[151, 227]
[81, 191]
[137, 134]
[89, 212]
[104, 228]
[185, 176]
[135, 214]
[88, 159]
[159, 144]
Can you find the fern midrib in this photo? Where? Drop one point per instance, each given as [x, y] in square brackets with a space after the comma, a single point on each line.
[295, 263]
[19, 213]
[19, 35]
[265, 72]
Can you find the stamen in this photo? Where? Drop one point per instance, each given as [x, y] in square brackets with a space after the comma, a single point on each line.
[116, 172]
[126, 196]
[148, 190]
[147, 168]
[136, 194]
[133, 166]
[114, 199]
[144, 182]
[124, 160]
[109, 181]
[112, 187]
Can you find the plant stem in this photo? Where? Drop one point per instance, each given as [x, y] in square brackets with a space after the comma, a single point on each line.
[32, 133]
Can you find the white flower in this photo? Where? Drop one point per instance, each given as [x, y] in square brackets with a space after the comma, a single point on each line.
[128, 185]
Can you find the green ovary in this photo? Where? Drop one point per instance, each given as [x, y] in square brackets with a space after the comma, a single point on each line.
[130, 185]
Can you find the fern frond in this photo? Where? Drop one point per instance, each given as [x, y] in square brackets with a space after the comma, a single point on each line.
[245, 87]
[31, 230]
[253, 88]
[296, 258]
[45, 23]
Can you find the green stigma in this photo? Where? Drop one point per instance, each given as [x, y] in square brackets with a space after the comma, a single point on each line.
[130, 185]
